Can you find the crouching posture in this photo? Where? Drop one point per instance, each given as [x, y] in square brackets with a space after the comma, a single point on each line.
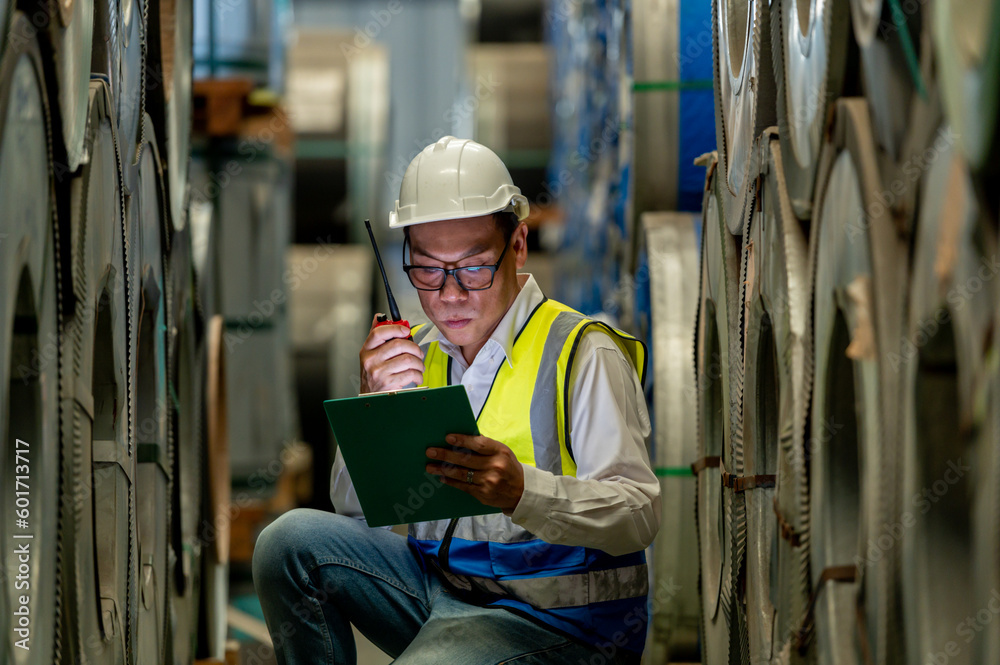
[559, 576]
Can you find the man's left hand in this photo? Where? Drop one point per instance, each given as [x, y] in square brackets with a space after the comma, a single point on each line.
[497, 476]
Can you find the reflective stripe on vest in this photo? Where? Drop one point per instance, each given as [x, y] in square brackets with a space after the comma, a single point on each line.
[578, 590]
[547, 342]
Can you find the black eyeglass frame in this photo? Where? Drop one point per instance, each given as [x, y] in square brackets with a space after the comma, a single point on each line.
[454, 271]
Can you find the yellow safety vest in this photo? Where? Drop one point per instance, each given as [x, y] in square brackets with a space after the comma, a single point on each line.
[580, 591]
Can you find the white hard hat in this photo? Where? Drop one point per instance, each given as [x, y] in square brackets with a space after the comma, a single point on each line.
[453, 179]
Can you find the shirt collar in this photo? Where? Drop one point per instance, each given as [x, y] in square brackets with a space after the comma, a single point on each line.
[527, 299]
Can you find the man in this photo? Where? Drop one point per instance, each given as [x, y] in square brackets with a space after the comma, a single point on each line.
[559, 575]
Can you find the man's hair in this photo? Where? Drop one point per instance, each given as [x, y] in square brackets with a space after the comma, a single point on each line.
[506, 222]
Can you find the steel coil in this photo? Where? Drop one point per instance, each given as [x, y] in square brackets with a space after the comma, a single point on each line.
[674, 119]
[947, 479]
[204, 225]
[254, 221]
[247, 360]
[810, 42]
[672, 247]
[119, 56]
[30, 310]
[716, 355]
[99, 470]
[866, 16]
[967, 41]
[744, 96]
[899, 85]
[186, 376]
[776, 384]
[859, 266]
[987, 555]
[146, 221]
[168, 93]
[5, 10]
[71, 30]
[215, 571]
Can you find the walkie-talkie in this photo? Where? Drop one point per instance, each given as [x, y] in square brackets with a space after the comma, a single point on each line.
[382, 319]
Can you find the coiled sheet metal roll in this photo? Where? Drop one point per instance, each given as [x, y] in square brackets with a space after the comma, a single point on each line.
[99, 470]
[215, 572]
[859, 268]
[949, 559]
[717, 357]
[71, 29]
[30, 310]
[967, 37]
[899, 85]
[672, 247]
[744, 96]
[147, 220]
[809, 51]
[776, 385]
[204, 224]
[168, 92]
[119, 56]
[186, 375]
[5, 10]
[674, 115]
[987, 511]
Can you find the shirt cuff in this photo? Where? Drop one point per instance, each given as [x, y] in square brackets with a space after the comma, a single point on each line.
[539, 486]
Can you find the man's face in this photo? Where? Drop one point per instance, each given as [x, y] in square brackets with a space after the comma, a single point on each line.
[468, 318]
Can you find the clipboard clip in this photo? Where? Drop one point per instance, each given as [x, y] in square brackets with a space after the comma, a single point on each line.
[392, 392]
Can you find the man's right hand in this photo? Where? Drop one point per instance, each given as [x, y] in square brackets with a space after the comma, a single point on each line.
[390, 361]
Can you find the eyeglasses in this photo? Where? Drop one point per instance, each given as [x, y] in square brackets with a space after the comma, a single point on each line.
[470, 278]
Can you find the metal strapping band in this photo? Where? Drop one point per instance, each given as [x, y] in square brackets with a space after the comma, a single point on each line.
[666, 471]
[787, 530]
[866, 650]
[744, 483]
[648, 86]
[706, 463]
[831, 574]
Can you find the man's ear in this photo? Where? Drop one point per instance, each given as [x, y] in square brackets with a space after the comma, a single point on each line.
[519, 243]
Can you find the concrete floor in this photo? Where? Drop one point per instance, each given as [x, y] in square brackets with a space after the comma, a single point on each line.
[368, 653]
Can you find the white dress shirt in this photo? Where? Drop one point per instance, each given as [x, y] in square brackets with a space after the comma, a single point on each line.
[613, 503]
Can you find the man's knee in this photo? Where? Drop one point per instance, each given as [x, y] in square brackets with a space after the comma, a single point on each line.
[283, 540]
[293, 535]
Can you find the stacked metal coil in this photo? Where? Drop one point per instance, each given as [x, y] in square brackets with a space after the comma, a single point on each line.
[672, 247]
[674, 120]
[775, 389]
[967, 53]
[864, 375]
[102, 349]
[744, 97]
[859, 272]
[98, 516]
[148, 223]
[31, 307]
[718, 367]
[952, 507]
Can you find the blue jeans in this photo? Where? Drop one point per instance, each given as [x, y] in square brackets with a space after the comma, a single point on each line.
[316, 573]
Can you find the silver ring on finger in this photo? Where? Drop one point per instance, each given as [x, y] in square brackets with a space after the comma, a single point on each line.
[468, 477]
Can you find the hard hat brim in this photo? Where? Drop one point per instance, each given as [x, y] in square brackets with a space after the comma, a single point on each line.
[518, 204]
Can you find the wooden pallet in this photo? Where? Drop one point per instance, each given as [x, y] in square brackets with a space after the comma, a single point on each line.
[220, 105]
[231, 108]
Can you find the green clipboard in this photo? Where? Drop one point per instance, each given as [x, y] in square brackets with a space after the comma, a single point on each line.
[383, 438]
